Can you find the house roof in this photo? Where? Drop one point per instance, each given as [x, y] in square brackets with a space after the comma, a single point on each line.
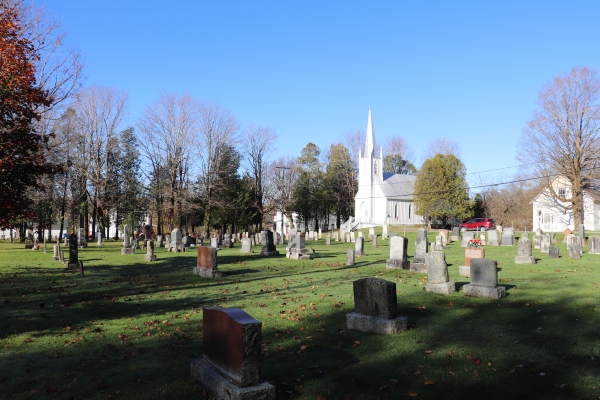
[398, 186]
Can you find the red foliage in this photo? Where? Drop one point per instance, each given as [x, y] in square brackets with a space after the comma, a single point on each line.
[22, 158]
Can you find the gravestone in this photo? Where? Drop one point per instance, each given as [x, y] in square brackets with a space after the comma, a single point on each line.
[82, 238]
[455, 234]
[439, 243]
[230, 364]
[373, 240]
[466, 237]
[360, 234]
[446, 234]
[499, 228]
[375, 308]
[484, 280]
[594, 244]
[384, 235]
[55, 255]
[422, 232]
[537, 241]
[185, 243]
[493, 238]
[74, 264]
[352, 237]
[422, 248]
[359, 247]
[574, 246]
[508, 238]
[398, 253]
[371, 231]
[509, 230]
[127, 246]
[227, 242]
[61, 254]
[350, 258]
[471, 253]
[296, 248]
[150, 256]
[320, 234]
[566, 233]
[135, 243]
[482, 238]
[176, 244]
[328, 239]
[206, 263]
[438, 280]
[267, 245]
[167, 240]
[159, 241]
[538, 231]
[99, 243]
[336, 236]
[246, 246]
[553, 252]
[214, 242]
[348, 237]
[393, 234]
[582, 234]
[524, 253]
[545, 243]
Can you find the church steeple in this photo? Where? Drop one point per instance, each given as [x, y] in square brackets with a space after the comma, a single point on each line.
[370, 142]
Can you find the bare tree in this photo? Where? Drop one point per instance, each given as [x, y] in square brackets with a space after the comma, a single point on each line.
[258, 143]
[441, 146]
[563, 136]
[280, 181]
[398, 156]
[354, 141]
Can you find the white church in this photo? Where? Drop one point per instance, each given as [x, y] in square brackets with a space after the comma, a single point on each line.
[382, 197]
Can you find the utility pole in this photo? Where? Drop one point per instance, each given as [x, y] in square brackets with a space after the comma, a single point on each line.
[281, 171]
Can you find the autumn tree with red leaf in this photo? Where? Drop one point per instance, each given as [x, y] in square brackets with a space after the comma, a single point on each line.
[22, 160]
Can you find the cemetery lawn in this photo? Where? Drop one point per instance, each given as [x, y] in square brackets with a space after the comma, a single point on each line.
[127, 329]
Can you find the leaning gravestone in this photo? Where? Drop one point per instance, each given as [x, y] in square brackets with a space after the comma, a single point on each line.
[553, 252]
[545, 243]
[350, 258]
[438, 280]
[574, 246]
[74, 264]
[466, 237]
[594, 244]
[398, 253]
[230, 364]
[150, 256]
[246, 246]
[206, 265]
[267, 245]
[493, 238]
[484, 280]
[375, 308]
[524, 254]
[422, 247]
[127, 246]
[359, 247]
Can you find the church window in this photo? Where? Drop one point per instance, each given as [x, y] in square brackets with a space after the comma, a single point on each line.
[409, 210]
[396, 211]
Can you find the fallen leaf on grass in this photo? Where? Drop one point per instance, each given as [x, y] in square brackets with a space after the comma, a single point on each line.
[430, 382]
[413, 394]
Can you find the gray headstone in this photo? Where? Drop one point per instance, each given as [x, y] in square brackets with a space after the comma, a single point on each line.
[455, 231]
[350, 257]
[493, 237]
[574, 246]
[359, 246]
[374, 240]
[524, 253]
[246, 245]
[507, 238]
[421, 249]
[582, 233]
[267, 245]
[553, 252]
[214, 243]
[484, 272]
[150, 256]
[421, 232]
[437, 270]
[466, 236]
[537, 241]
[398, 253]
[545, 243]
[328, 239]
[594, 244]
[375, 297]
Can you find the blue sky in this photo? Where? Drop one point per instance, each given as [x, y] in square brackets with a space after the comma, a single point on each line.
[460, 70]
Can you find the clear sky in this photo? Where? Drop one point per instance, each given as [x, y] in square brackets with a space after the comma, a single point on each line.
[468, 71]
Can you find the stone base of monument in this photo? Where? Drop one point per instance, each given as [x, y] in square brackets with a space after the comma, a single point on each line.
[418, 266]
[207, 273]
[464, 270]
[493, 243]
[269, 253]
[219, 387]
[128, 250]
[454, 238]
[299, 256]
[441, 288]
[485, 292]
[246, 251]
[75, 267]
[55, 258]
[382, 326]
[360, 253]
[397, 264]
[524, 260]
[150, 257]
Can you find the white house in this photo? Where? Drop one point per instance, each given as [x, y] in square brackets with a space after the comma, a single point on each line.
[555, 213]
[382, 197]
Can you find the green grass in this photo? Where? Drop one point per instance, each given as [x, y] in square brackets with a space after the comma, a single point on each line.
[128, 328]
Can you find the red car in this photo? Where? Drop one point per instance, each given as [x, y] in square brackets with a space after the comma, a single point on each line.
[482, 224]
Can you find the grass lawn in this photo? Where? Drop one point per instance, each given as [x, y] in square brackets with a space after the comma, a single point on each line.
[127, 329]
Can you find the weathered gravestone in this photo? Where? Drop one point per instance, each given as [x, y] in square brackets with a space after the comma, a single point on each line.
[508, 238]
[352, 237]
[574, 246]
[375, 308]
[553, 252]
[384, 234]
[167, 240]
[466, 237]
[99, 243]
[484, 280]
[74, 264]
[185, 243]
[582, 234]
[374, 240]
[422, 248]
[524, 253]
[246, 246]
[439, 243]
[214, 242]
[566, 233]
[150, 256]
[398, 253]
[127, 246]
[159, 241]
[176, 244]
[350, 258]
[594, 244]
[545, 243]
[360, 234]
[537, 241]
[55, 255]
[438, 280]
[471, 253]
[455, 234]
[227, 242]
[328, 239]
[230, 364]
[359, 247]
[82, 238]
[296, 248]
[267, 245]
[493, 238]
[348, 237]
[371, 231]
[206, 263]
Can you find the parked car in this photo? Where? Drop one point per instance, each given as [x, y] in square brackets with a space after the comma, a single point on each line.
[482, 224]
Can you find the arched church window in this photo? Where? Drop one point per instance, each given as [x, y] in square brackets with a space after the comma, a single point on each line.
[396, 211]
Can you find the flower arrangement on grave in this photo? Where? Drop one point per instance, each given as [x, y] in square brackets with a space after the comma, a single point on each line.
[474, 243]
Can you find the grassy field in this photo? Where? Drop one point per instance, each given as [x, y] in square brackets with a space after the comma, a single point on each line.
[127, 329]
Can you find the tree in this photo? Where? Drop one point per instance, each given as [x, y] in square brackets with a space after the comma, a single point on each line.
[279, 187]
[441, 189]
[441, 146]
[340, 183]
[563, 136]
[308, 189]
[22, 159]
[397, 156]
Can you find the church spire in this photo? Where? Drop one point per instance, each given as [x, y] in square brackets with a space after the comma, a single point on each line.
[370, 142]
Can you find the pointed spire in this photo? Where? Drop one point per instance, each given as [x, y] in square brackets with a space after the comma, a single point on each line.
[370, 142]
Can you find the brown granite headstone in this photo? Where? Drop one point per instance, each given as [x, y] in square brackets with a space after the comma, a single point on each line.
[566, 233]
[231, 343]
[472, 253]
[206, 264]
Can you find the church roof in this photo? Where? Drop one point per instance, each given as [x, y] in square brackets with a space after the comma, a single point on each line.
[398, 186]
